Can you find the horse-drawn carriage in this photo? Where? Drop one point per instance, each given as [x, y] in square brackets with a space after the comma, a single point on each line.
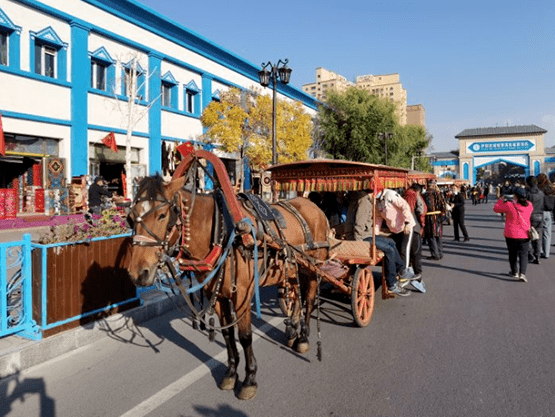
[228, 245]
[350, 263]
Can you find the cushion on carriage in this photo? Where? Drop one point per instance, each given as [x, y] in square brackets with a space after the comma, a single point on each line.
[352, 249]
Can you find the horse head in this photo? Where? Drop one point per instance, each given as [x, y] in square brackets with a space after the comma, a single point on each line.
[167, 219]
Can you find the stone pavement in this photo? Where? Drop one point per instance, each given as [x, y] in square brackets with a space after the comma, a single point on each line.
[18, 354]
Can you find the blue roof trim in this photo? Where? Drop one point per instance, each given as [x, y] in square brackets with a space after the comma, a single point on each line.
[169, 78]
[102, 54]
[49, 35]
[7, 24]
[192, 86]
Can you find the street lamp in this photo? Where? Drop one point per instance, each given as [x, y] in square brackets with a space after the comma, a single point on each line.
[417, 155]
[265, 76]
[385, 136]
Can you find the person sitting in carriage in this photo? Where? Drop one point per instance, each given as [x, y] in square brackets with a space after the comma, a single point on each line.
[363, 229]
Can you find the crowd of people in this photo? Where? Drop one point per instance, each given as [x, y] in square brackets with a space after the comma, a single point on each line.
[408, 219]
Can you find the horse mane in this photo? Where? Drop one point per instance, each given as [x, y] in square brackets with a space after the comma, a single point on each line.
[151, 187]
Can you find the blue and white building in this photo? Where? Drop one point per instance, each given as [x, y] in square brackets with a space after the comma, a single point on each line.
[63, 66]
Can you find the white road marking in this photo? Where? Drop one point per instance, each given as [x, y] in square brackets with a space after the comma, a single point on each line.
[152, 403]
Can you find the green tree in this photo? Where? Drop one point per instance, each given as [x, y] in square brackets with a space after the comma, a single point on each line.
[349, 124]
[241, 121]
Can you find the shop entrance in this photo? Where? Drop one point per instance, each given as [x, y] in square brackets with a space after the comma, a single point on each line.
[13, 167]
[113, 173]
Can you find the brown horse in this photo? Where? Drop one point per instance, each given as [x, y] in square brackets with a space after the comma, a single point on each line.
[159, 209]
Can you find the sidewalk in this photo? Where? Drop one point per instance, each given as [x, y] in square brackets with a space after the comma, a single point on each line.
[18, 354]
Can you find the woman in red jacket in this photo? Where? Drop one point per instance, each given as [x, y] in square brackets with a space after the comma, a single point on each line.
[517, 225]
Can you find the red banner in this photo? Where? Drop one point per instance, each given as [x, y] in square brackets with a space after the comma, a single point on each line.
[2, 141]
[110, 142]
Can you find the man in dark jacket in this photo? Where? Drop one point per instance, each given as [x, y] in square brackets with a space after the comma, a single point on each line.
[96, 191]
[457, 202]
[506, 189]
[536, 197]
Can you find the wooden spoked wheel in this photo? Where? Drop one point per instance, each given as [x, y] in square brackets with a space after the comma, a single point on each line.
[362, 296]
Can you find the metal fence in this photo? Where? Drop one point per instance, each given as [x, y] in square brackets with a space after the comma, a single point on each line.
[16, 297]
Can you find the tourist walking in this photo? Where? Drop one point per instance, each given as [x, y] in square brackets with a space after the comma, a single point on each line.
[457, 212]
[536, 197]
[548, 206]
[433, 227]
[517, 225]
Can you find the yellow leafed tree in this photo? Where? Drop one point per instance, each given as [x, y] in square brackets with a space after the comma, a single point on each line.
[241, 121]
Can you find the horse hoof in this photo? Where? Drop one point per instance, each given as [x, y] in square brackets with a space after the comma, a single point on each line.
[228, 383]
[303, 347]
[248, 392]
[291, 342]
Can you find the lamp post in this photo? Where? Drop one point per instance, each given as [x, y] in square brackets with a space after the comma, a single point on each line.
[385, 136]
[265, 76]
[417, 155]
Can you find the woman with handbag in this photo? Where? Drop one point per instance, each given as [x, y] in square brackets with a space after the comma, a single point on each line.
[517, 228]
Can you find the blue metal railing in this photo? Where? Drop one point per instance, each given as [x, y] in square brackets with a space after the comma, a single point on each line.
[16, 297]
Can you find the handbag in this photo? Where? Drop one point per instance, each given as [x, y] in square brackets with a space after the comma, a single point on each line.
[532, 232]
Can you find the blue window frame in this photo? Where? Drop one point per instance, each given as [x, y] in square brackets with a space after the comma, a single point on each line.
[140, 86]
[192, 99]
[102, 70]
[169, 91]
[9, 42]
[49, 54]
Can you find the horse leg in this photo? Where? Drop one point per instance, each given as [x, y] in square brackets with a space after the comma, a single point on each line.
[303, 345]
[249, 387]
[230, 378]
[292, 322]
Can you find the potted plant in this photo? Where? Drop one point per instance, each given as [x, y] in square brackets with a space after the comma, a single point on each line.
[79, 272]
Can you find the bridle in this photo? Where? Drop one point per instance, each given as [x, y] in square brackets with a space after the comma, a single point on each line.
[153, 239]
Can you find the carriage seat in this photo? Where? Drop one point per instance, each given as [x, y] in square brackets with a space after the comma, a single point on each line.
[353, 252]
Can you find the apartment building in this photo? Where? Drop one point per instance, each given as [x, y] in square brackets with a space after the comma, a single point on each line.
[387, 87]
[326, 81]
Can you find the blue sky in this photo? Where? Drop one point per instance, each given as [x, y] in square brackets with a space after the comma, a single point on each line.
[470, 64]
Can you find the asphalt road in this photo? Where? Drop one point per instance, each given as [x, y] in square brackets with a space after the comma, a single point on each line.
[478, 343]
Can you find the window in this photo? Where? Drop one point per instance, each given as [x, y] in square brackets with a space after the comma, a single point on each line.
[127, 79]
[166, 95]
[98, 75]
[3, 48]
[45, 60]
[190, 101]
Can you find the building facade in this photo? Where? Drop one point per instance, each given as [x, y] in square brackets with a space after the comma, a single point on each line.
[387, 87]
[511, 151]
[67, 69]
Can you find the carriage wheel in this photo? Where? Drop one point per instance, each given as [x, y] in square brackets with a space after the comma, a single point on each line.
[362, 296]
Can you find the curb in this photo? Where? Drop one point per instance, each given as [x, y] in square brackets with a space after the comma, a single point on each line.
[18, 354]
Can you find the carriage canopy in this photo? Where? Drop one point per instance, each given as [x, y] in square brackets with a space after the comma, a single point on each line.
[335, 175]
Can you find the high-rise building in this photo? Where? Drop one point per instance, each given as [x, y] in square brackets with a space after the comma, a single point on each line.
[416, 115]
[387, 87]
